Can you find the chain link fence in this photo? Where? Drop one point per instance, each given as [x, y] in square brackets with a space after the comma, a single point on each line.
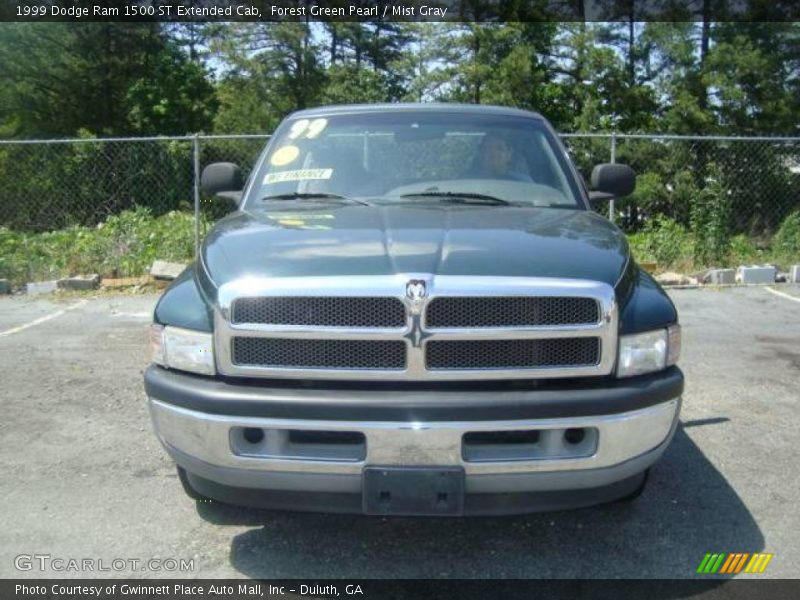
[752, 182]
[713, 186]
[48, 185]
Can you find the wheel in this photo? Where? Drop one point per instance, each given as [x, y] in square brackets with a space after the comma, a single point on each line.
[187, 487]
[637, 492]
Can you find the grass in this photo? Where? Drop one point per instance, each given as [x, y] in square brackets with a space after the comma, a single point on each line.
[126, 245]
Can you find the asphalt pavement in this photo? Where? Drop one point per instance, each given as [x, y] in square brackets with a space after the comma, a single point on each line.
[86, 478]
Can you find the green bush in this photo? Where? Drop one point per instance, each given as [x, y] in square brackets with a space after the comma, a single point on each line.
[124, 245]
[711, 220]
[744, 250]
[670, 244]
[664, 241]
[787, 239]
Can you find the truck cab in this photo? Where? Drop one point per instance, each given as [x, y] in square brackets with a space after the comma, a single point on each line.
[414, 310]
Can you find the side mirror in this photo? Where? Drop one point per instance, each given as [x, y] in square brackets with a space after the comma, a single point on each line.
[221, 179]
[613, 179]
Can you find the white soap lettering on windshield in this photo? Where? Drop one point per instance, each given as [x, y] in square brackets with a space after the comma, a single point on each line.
[298, 127]
[298, 175]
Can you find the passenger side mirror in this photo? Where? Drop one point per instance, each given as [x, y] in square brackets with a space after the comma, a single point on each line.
[222, 179]
[613, 179]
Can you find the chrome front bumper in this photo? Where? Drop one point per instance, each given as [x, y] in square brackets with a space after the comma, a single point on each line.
[615, 447]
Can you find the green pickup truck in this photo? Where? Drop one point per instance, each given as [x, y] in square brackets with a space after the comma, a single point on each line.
[413, 310]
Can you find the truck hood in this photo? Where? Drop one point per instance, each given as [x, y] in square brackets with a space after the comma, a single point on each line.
[298, 239]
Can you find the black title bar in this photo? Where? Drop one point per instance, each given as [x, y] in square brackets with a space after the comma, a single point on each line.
[397, 10]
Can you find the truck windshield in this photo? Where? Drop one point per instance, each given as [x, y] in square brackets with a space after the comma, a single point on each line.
[423, 157]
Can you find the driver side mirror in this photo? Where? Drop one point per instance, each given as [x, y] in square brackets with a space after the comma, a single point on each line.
[612, 180]
[222, 179]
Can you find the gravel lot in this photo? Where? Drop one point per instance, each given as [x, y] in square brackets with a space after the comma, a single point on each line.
[85, 477]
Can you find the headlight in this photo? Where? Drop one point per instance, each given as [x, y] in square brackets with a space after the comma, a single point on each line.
[182, 349]
[647, 352]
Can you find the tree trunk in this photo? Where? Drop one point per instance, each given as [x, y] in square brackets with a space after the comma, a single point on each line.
[631, 44]
[476, 49]
[705, 39]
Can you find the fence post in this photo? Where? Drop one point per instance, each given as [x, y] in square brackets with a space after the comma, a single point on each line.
[611, 209]
[196, 157]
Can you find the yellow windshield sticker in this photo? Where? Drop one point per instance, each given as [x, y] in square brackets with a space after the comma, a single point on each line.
[298, 175]
[316, 127]
[284, 155]
[298, 127]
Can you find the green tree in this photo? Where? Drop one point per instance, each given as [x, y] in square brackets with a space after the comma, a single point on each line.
[271, 69]
[176, 97]
[752, 73]
[347, 84]
[491, 63]
[601, 84]
[379, 47]
[675, 65]
[191, 37]
[60, 78]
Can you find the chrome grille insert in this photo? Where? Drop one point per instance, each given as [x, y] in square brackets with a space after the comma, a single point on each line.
[368, 328]
[320, 312]
[318, 354]
[512, 354]
[519, 311]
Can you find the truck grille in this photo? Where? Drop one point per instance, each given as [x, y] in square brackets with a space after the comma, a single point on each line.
[320, 312]
[513, 354]
[416, 328]
[318, 354]
[487, 311]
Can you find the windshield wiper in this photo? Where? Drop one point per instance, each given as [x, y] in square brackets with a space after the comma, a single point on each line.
[461, 198]
[312, 196]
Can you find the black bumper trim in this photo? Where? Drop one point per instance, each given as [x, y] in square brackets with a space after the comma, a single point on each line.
[205, 394]
[495, 504]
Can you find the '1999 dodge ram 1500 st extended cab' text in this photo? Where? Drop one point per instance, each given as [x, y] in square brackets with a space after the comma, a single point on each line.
[413, 310]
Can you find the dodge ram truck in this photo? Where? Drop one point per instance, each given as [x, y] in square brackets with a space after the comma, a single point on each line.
[414, 310]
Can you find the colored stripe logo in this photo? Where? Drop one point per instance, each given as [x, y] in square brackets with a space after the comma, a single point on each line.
[734, 562]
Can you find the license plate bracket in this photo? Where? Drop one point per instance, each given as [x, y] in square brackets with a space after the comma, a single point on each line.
[413, 491]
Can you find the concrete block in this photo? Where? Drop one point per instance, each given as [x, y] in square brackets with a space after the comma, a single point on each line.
[35, 288]
[80, 282]
[5, 286]
[756, 274]
[720, 276]
[162, 269]
[794, 274]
